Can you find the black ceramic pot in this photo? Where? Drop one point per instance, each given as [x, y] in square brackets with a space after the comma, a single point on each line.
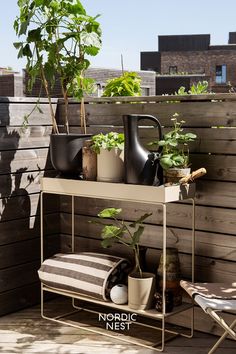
[66, 152]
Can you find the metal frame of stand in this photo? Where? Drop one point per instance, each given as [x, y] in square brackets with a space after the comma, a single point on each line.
[153, 314]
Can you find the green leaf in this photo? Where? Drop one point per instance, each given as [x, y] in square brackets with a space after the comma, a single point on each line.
[111, 231]
[166, 162]
[18, 45]
[140, 220]
[191, 135]
[34, 35]
[90, 39]
[109, 213]
[108, 242]
[26, 51]
[137, 234]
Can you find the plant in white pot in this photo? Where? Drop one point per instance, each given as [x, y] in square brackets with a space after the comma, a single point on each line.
[110, 156]
[141, 285]
[174, 157]
[57, 37]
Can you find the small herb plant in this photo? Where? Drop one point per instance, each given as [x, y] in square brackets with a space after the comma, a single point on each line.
[127, 234]
[128, 84]
[175, 151]
[107, 141]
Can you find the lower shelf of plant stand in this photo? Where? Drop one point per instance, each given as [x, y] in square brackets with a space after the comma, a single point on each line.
[152, 313]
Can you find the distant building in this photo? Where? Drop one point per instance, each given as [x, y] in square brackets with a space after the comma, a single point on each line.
[100, 76]
[184, 59]
[7, 71]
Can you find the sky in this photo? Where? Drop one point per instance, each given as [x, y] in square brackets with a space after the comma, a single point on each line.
[132, 26]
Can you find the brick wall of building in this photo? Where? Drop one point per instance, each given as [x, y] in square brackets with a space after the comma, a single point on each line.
[11, 85]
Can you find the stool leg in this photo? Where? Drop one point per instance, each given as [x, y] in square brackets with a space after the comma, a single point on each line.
[220, 340]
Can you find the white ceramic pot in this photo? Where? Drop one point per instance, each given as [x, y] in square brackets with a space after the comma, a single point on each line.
[110, 165]
[141, 290]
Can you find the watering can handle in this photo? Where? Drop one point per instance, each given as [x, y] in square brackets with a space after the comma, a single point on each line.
[154, 119]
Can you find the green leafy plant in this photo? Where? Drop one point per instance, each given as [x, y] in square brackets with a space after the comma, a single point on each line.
[200, 87]
[127, 234]
[175, 151]
[58, 35]
[107, 141]
[128, 84]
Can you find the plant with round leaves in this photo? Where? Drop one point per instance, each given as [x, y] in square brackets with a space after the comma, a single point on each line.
[126, 233]
[58, 35]
[175, 150]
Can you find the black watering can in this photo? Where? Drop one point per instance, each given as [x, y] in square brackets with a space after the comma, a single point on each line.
[141, 165]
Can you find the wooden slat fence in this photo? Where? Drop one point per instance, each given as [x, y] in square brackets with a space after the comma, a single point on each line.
[24, 158]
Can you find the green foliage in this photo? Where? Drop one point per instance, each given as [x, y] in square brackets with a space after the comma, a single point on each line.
[127, 84]
[108, 141]
[200, 87]
[175, 151]
[128, 234]
[58, 35]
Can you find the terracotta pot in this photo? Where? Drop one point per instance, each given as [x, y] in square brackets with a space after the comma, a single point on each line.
[141, 291]
[173, 175]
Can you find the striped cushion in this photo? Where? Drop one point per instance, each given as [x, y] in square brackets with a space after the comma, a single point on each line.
[93, 274]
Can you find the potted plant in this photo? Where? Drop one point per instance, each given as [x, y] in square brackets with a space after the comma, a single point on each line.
[174, 157]
[141, 285]
[58, 36]
[128, 84]
[110, 156]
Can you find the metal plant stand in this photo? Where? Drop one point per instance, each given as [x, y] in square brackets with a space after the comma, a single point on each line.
[158, 196]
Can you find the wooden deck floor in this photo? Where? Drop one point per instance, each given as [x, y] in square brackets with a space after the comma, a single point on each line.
[26, 332]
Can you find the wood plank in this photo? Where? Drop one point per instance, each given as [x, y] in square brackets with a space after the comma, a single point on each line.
[21, 252]
[221, 168]
[20, 275]
[13, 113]
[19, 298]
[22, 160]
[28, 228]
[210, 244]
[199, 114]
[215, 193]
[29, 183]
[25, 206]
[211, 219]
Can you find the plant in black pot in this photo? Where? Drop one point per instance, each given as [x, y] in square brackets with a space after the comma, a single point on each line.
[141, 285]
[58, 36]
